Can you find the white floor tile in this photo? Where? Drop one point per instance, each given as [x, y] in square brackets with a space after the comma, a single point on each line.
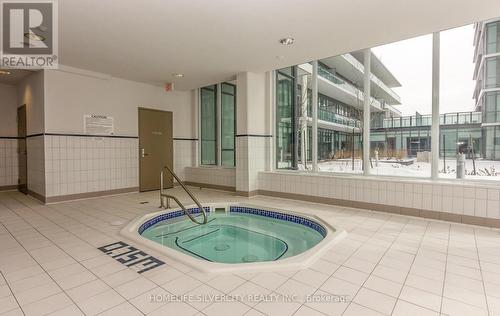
[404, 308]
[374, 300]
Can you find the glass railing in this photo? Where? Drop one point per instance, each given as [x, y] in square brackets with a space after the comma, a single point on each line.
[426, 120]
[347, 86]
[329, 76]
[332, 117]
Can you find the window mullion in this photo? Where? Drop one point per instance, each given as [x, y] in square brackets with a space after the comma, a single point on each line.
[219, 125]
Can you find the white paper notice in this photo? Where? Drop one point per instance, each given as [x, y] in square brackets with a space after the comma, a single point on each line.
[98, 124]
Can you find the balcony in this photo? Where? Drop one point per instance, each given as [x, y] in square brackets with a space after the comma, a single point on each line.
[461, 118]
[339, 89]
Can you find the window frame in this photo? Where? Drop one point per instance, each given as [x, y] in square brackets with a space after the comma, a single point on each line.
[394, 121]
[218, 126]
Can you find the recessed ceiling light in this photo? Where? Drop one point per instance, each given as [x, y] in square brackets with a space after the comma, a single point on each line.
[34, 37]
[287, 41]
[280, 57]
[5, 72]
[177, 75]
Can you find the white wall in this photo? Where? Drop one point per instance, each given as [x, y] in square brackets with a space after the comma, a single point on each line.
[453, 198]
[31, 92]
[76, 165]
[8, 110]
[8, 128]
[251, 104]
[71, 93]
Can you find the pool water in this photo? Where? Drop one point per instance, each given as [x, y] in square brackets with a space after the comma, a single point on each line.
[235, 237]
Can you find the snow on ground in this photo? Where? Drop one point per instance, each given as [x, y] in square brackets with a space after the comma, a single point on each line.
[418, 169]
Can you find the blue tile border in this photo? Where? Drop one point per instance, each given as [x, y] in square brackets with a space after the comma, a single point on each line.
[167, 216]
[281, 216]
[240, 209]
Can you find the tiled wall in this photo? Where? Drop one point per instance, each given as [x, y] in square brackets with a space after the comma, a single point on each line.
[90, 164]
[212, 175]
[36, 164]
[251, 158]
[457, 197]
[8, 162]
[184, 156]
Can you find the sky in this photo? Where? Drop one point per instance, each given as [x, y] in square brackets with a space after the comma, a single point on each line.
[411, 62]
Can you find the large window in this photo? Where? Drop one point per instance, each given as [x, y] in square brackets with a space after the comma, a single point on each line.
[400, 131]
[492, 73]
[396, 111]
[493, 37]
[285, 118]
[209, 125]
[228, 124]
[293, 117]
[491, 112]
[215, 151]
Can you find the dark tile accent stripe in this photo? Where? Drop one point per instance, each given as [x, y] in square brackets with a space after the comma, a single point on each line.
[35, 135]
[180, 138]
[82, 135]
[253, 135]
[85, 135]
[131, 257]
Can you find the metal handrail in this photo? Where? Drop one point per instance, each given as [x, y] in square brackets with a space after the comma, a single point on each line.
[163, 195]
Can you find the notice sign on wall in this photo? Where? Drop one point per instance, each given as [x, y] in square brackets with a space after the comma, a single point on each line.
[98, 124]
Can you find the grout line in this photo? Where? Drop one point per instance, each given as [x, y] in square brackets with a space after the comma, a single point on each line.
[78, 262]
[445, 268]
[350, 215]
[10, 289]
[341, 265]
[481, 271]
[378, 262]
[409, 270]
[41, 267]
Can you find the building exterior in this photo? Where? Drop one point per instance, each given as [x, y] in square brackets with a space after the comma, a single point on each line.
[340, 112]
[487, 91]
[340, 107]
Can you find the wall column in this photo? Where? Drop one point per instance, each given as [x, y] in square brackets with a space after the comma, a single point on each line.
[253, 134]
[314, 107]
[366, 111]
[435, 106]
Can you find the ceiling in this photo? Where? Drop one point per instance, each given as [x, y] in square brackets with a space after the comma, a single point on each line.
[211, 41]
[15, 76]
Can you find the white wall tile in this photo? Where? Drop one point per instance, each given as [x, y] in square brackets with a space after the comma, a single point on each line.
[9, 170]
[76, 164]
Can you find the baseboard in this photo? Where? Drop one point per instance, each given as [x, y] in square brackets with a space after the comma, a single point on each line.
[37, 196]
[211, 186]
[248, 193]
[79, 196]
[444, 216]
[9, 187]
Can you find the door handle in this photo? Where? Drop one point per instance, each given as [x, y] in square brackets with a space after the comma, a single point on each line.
[143, 154]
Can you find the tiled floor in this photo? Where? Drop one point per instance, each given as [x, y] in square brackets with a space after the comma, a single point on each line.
[387, 265]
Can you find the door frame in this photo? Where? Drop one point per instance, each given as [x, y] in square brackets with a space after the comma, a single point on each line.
[139, 141]
[22, 187]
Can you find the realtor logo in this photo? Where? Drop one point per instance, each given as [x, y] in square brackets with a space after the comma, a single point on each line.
[28, 34]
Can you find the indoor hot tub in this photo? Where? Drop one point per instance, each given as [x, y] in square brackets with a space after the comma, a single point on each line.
[236, 237]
